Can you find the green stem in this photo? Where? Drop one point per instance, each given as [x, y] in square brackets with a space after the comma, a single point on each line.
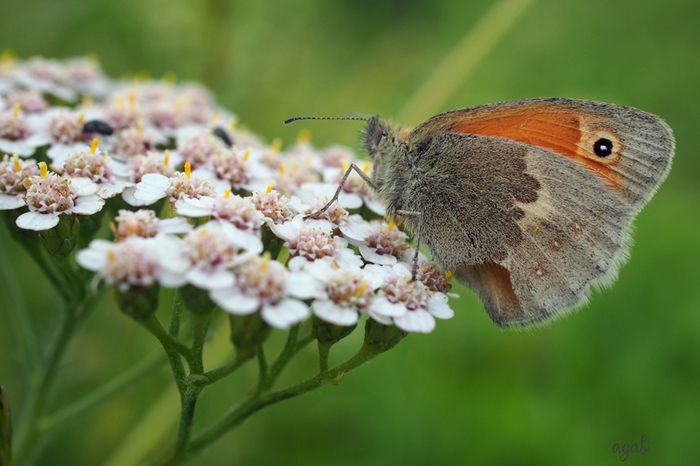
[262, 370]
[256, 402]
[188, 403]
[290, 348]
[168, 341]
[228, 368]
[176, 317]
[324, 351]
[200, 327]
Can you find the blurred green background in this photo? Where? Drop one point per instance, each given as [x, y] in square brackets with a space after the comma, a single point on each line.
[626, 366]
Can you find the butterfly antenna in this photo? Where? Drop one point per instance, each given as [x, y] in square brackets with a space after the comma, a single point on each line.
[291, 120]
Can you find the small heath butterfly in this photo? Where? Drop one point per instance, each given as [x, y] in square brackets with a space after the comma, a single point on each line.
[529, 202]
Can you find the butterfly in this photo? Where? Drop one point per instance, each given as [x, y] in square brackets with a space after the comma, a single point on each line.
[529, 202]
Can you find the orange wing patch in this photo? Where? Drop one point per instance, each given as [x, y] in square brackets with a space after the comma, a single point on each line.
[576, 136]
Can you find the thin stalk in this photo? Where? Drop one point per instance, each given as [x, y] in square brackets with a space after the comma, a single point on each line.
[256, 402]
[176, 317]
[228, 368]
[200, 327]
[324, 351]
[166, 339]
[290, 348]
[262, 370]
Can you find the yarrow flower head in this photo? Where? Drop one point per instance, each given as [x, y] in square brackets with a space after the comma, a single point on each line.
[274, 206]
[265, 285]
[348, 294]
[408, 304]
[134, 262]
[180, 186]
[20, 134]
[49, 195]
[146, 224]
[167, 140]
[13, 172]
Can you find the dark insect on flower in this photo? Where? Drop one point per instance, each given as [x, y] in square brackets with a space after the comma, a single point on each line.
[98, 126]
[221, 133]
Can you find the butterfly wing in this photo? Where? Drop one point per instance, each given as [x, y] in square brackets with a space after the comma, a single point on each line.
[629, 150]
[532, 255]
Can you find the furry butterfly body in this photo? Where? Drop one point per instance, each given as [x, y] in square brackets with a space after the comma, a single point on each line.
[530, 202]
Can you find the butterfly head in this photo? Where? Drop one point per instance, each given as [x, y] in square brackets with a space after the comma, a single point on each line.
[379, 136]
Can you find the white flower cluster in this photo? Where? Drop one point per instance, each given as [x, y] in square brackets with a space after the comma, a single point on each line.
[232, 200]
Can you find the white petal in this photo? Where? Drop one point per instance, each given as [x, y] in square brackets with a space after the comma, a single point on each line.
[381, 319]
[375, 275]
[171, 254]
[211, 279]
[370, 255]
[128, 196]
[356, 230]
[9, 202]
[88, 205]
[382, 306]
[328, 311]
[242, 239]
[37, 221]
[171, 280]
[438, 307]
[375, 206]
[174, 226]
[349, 200]
[320, 269]
[285, 313]
[108, 189]
[233, 301]
[58, 153]
[95, 256]
[348, 258]
[304, 286]
[19, 147]
[192, 207]
[284, 231]
[83, 186]
[416, 321]
[151, 187]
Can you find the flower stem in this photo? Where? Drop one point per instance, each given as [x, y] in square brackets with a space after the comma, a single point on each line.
[228, 368]
[262, 370]
[200, 327]
[168, 341]
[324, 351]
[176, 317]
[287, 352]
[257, 401]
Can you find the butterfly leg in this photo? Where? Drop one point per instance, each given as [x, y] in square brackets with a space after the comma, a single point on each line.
[414, 261]
[352, 167]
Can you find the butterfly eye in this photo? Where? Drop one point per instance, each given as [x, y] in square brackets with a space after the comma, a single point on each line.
[379, 136]
[603, 147]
